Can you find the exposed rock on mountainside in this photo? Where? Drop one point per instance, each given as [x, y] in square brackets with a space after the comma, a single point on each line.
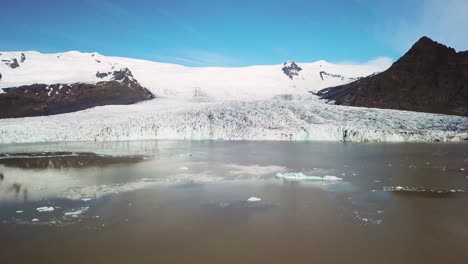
[430, 77]
[43, 99]
[291, 69]
[13, 63]
[324, 75]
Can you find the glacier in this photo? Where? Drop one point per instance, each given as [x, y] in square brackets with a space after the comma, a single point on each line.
[297, 119]
[215, 103]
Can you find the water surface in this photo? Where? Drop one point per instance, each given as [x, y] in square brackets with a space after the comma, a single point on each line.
[186, 202]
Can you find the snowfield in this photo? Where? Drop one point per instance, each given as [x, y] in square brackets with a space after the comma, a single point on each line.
[301, 119]
[176, 81]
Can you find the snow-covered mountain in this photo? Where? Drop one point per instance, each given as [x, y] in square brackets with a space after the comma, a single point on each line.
[170, 80]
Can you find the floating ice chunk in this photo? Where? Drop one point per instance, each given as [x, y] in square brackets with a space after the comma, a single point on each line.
[35, 220]
[254, 199]
[462, 169]
[183, 168]
[74, 213]
[331, 178]
[19, 211]
[45, 209]
[86, 199]
[299, 176]
[399, 188]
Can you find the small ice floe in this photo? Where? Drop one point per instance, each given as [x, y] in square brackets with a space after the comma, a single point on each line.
[462, 169]
[254, 199]
[183, 168]
[86, 199]
[35, 220]
[45, 209]
[147, 180]
[19, 211]
[293, 176]
[76, 213]
[73, 213]
[399, 188]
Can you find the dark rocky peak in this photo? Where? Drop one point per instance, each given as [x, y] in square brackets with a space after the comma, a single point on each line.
[23, 57]
[13, 63]
[426, 43]
[430, 77]
[427, 51]
[123, 75]
[291, 69]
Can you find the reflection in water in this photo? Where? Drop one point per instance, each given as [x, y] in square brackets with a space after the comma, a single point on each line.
[43, 160]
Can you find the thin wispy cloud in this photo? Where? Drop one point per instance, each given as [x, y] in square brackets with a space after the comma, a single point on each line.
[200, 58]
[444, 21]
[381, 62]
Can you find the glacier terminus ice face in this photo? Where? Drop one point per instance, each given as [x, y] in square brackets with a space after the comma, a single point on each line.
[304, 119]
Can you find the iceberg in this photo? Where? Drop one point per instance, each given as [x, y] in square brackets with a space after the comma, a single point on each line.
[45, 209]
[254, 199]
[299, 176]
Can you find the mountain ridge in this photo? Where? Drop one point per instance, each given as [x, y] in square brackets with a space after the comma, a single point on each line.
[172, 80]
[430, 77]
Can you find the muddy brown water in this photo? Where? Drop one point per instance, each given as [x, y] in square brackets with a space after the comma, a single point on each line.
[186, 202]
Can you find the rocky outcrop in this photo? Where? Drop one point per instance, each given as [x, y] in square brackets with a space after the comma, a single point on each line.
[324, 74]
[291, 69]
[43, 99]
[13, 63]
[430, 77]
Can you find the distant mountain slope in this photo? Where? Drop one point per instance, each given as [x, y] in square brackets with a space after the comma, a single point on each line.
[170, 80]
[49, 99]
[430, 77]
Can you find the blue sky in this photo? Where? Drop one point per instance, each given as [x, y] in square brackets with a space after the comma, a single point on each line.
[233, 32]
